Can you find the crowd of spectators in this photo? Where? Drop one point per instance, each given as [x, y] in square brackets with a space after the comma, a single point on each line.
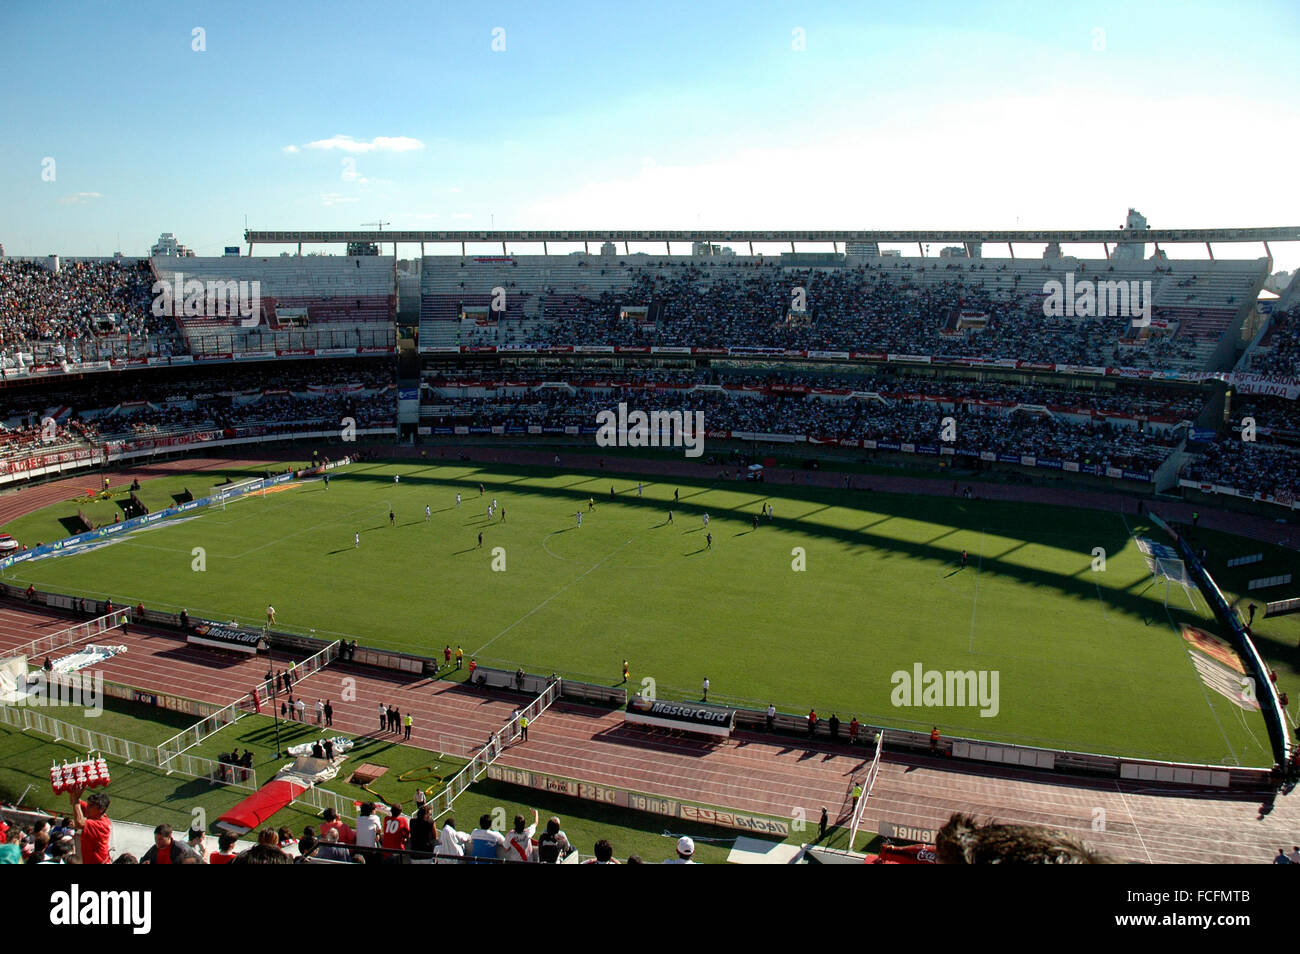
[140, 406]
[1123, 399]
[853, 309]
[381, 835]
[977, 429]
[1249, 467]
[1279, 354]
[83, 300]
[1276, 419]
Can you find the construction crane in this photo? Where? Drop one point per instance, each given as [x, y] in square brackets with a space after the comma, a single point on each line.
[379, 225]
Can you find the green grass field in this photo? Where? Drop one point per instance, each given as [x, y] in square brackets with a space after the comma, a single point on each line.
[1085, 660]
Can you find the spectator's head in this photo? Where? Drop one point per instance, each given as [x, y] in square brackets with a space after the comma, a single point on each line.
[126, 858]
[268, 837]
[520, 824]
[553, 827]
[330, 815]
[261, 854]
[395, 809]
[196, 836]
[604, 851]
[225, 842]
[97, 804]
[423, 813]
[963, 842]
[284, 836]
[485, 822]
[367, 808]
[634, 860]
[162, 837]
[685, 848]
[331, 837]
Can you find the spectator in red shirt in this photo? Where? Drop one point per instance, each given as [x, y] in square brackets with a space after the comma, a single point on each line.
[225, 852]
[347, 835]
[397, 830]
[812, 722]
[166, 850]
[91, 818]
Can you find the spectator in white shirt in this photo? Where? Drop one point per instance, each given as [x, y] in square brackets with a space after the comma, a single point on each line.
[519, 843]
[368, 826]
[451, 843]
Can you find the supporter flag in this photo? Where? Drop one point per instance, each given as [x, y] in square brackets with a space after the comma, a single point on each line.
[257, 703]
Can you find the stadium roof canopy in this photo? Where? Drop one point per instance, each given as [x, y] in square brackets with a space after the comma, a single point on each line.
[1090, 236]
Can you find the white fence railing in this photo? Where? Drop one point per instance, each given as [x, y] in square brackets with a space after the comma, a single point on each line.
[77, 633]
[29, 719]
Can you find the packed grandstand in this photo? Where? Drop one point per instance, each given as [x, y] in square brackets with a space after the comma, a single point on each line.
[872, 353]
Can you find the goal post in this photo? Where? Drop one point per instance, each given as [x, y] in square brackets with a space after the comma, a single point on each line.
[867, 785]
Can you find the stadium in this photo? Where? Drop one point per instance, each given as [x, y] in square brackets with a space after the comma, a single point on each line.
[676, 434]
[932, 552]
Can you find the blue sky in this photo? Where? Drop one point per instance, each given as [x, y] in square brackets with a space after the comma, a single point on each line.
[897, 115]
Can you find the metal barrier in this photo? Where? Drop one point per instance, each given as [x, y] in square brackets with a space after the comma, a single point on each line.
[215, 722]
[64, 638]
[125, 750]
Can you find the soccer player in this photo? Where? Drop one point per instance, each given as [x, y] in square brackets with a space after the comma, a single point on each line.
[706, 689]
[460, 657]
[356, 541]
[674, 496]
[458, 500]
[963, 558]
[591, 504]
[755, 521]
[480, 490]
[480, 539]
[706, 519]
[670, 516]
[638, 489]
[579, 519]
[327, 481]
[446, 655]
[397, 478]
[503, 514]
[494, 503]
[270, 615]
[625, 670]
[392, 519]
[708, 539]
[426, 513]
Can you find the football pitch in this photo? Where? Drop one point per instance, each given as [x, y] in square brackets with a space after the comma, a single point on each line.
[829, 603]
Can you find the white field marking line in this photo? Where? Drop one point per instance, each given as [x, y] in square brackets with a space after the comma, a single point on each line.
[562, 589]
[1136, 828]
[970, 646]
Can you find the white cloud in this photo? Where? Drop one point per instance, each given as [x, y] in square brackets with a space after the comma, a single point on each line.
[291, 149]
[80, 198]
[349, 144]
